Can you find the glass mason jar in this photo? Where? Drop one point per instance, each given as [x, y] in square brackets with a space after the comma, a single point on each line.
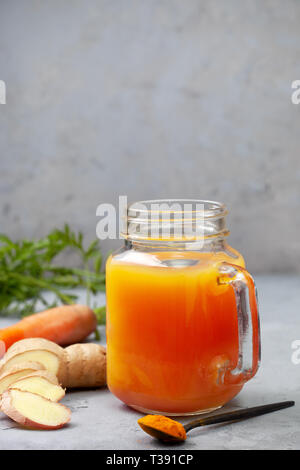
[182, 318]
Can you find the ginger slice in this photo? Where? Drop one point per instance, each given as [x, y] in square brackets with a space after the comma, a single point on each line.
[78, 365]
[38, 350]
[34, 411]
[16, 372]
[41, 382]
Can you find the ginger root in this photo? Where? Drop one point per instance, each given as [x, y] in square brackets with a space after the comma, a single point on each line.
[16, 372]
[31, 372]
[34, 411]
[43, 383]
[78, 365]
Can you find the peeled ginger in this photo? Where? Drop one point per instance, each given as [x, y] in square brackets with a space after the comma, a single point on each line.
[16, 372]
[78, 365]
[41, 382]
[33, 411]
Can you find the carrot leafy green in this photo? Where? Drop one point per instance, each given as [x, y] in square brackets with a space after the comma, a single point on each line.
[29, 269]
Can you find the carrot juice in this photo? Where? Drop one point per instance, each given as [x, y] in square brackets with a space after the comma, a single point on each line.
[172, 330]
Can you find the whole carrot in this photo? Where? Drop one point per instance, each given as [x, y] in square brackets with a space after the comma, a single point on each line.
[64, 325]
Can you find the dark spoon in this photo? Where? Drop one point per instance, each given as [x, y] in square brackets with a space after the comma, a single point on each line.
[218, 418]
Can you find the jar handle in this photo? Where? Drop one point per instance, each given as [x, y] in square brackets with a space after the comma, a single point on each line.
[248, 322]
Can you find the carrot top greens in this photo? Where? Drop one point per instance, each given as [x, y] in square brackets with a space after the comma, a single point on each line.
[29, 269]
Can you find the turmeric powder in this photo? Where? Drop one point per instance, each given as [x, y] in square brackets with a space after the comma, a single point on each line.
[156, 424]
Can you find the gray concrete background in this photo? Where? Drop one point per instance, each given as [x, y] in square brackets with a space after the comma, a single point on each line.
[161, 98]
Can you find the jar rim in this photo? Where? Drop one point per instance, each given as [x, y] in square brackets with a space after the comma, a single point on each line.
[175, 220]
[211, 209]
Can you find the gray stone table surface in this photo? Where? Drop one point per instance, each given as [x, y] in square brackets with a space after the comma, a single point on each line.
[100, 421]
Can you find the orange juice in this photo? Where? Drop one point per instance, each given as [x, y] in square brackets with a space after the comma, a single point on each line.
[172, 330]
